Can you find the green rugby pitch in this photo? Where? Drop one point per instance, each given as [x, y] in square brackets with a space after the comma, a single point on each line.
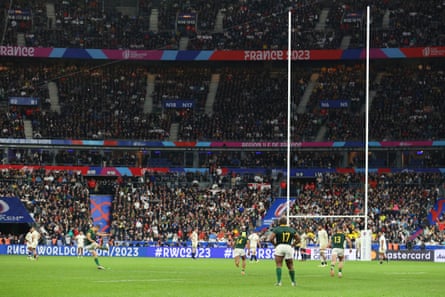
[133, 277]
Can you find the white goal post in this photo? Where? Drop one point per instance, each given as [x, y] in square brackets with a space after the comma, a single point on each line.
[366, 234]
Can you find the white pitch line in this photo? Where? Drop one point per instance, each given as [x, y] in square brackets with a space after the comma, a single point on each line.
[137, 280]
[405, 273]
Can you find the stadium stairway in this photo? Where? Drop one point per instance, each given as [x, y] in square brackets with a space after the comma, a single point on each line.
[148, 103]
[27, 129]
[174, 131]
[307, 94]
[50, 14]
[183, 43]
[219, 22]
[321, 133]
[372, 93]
[154, 20]
[386, 19]
[345, 42]
[322, 20]
[213, 87]
[21, 39]
[53, 91]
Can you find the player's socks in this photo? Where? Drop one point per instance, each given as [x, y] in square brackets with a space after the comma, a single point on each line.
[278, 272]
[292, 275]
[96, 260]
[193, 255]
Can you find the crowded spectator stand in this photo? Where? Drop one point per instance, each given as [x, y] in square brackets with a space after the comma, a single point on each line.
[104, 84]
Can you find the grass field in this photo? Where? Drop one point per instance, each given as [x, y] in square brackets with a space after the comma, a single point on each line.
[70, 276]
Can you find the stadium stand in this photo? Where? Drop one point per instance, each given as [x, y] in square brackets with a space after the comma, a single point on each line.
[92, 102]
[221, 25]
[149, 211]
[124, 100]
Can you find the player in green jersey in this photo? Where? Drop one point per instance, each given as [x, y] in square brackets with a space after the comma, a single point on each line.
[337, 243]
[239, 252]
[283, 238]
[91, 244]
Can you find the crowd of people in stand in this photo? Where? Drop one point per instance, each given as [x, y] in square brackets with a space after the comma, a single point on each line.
[113, 102]
[162, 209]
[227, 24]
[79, 100]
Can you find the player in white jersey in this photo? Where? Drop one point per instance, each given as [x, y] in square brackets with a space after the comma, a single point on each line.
[323, 242]
[35, 237]
[194, 239]
[80, 239]
[28, 242]
[382, 247]
[254, 244]
[302, 246]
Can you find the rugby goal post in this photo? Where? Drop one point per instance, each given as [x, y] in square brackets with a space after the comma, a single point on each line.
[366, 234]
